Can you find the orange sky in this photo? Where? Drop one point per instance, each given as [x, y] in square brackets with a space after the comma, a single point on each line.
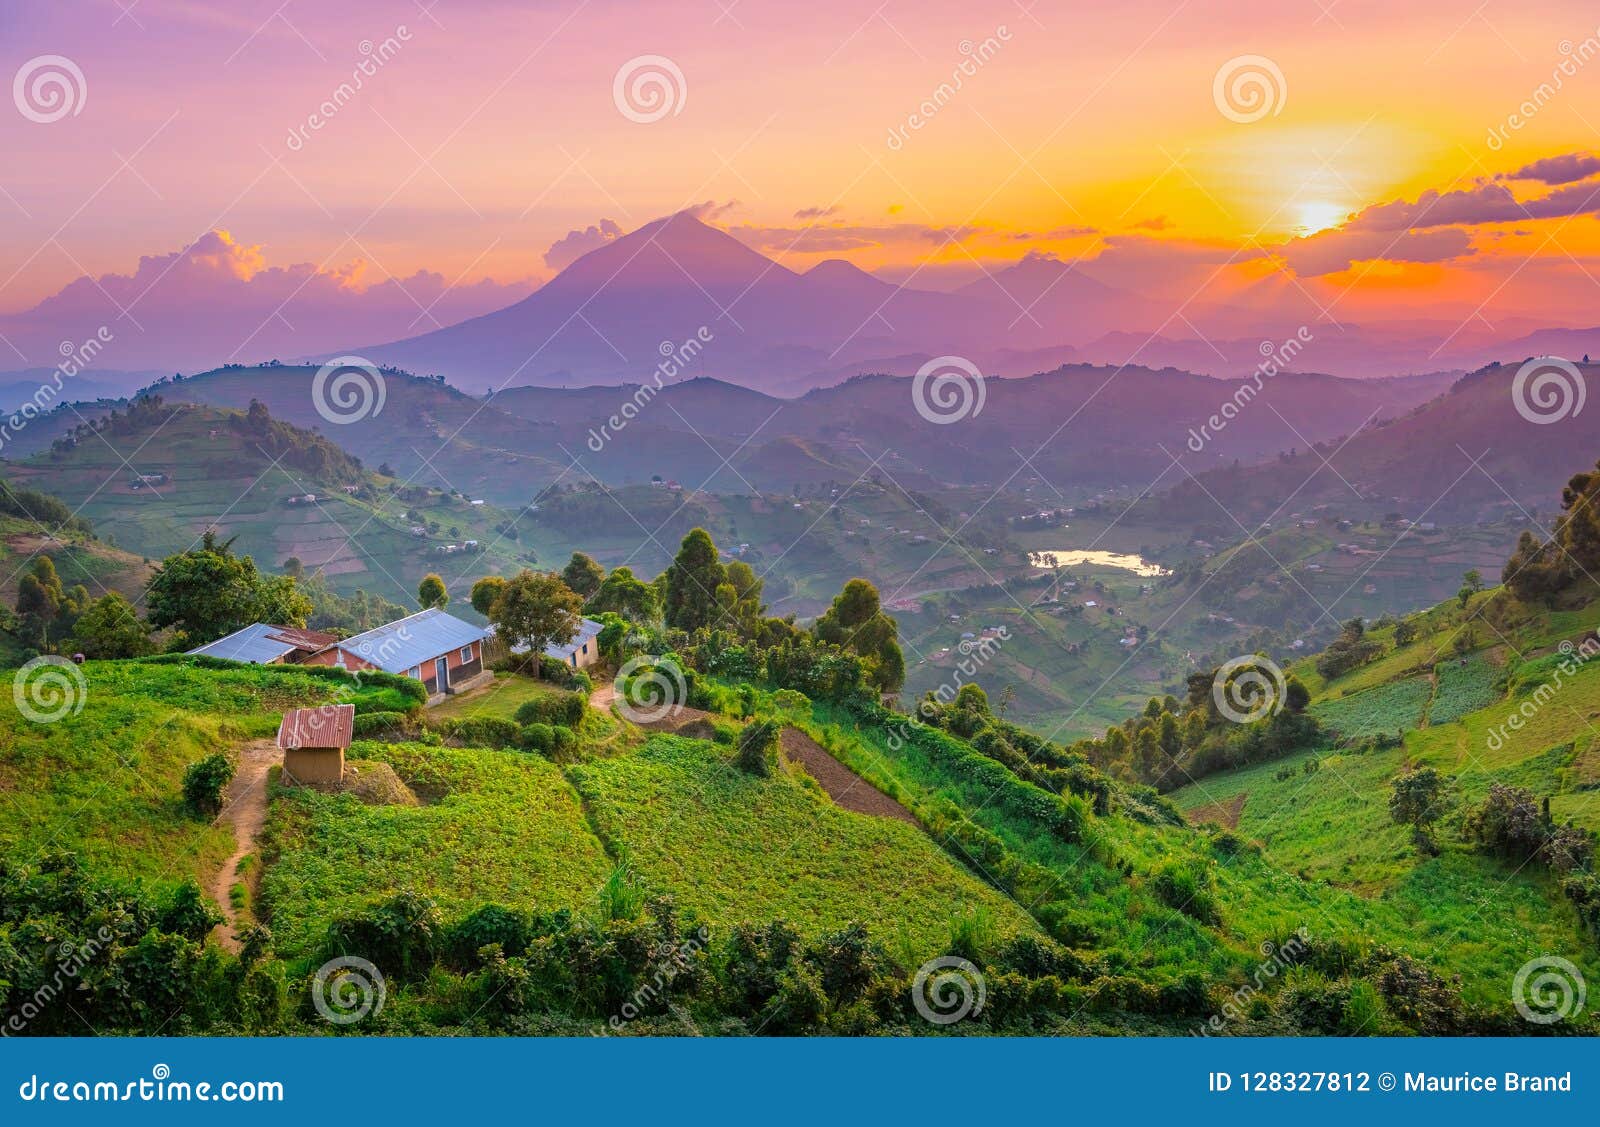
[493, 129]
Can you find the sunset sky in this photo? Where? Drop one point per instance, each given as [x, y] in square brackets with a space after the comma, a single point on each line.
[489, 144]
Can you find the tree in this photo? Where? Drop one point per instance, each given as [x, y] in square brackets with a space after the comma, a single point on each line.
[39, 601]
[1296, 696]
[208, 591]
[431, 592]
[536, 610]
[625, 594]
[1405, 632]
[293, 567]
[485, 591]
[692, 582]
[855, 622]
[110, 628]
[583, 575]
[1419, 799]
[1471, 584]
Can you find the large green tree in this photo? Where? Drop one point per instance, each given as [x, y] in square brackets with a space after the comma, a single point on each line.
[626, 594]
[692, 583]
[536, 609]
[208, 592]
[110, 627]
[583, 574]
[856, 622]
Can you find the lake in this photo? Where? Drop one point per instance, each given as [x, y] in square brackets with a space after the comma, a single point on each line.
[1136, 564]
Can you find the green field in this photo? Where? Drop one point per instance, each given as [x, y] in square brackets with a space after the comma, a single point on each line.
[494, 827]
[729, 847]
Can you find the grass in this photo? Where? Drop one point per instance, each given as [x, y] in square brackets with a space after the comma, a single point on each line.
[500, 827]
[498, 701]
[107, 782]
[731, 847]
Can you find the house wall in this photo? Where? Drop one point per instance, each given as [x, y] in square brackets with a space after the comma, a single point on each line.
[314, 764]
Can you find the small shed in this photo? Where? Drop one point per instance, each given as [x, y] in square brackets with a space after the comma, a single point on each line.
[313, 742]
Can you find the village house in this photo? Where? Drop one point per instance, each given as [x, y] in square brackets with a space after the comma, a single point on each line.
[438, 649]
[313, 741]
[580, 653]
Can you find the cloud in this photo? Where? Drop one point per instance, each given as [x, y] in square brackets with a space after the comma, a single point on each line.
[834, 238]
[1154, 223]
[1329, 252]
[1563, 169]
[711, 211]
[816, 212]
[575, 244]
[1438, 226]
[1071, 232]
[219, 299]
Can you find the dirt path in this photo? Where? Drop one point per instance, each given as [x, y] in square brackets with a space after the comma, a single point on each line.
[601, 696]
[848, 790]
[244, 807]
[1225, 813]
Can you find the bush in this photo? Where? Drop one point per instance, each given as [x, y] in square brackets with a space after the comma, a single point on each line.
[380, 724]
[756, 749]
[548, 740]
[1188, 890]
[204, 781]
[482, 731]
[566, 709]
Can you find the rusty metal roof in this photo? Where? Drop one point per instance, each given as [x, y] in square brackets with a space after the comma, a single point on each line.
[328, 725]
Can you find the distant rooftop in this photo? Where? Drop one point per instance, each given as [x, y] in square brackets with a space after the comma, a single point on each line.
[263, 643]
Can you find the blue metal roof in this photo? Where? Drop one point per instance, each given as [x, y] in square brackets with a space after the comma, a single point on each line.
[253, 644]
[415, 640]
[588, 630]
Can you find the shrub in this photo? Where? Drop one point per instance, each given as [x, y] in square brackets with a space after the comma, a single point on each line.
[482, 731]
[204, 781]
[548, 740]
[1187, 889]
[380, 724]
[756, 749]
[566, 709]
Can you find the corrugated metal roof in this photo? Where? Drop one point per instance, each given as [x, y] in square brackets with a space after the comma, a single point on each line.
[331, 725]
[398, 646]
[255, 643]
[588, 629]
